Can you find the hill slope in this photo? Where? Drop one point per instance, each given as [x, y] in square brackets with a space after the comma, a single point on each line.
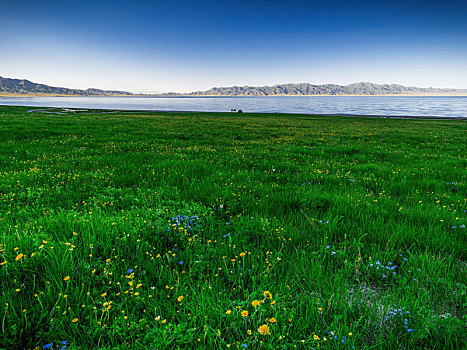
[26, 87]
[303, 89]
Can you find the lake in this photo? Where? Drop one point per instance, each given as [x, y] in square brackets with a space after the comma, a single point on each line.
[429, 106]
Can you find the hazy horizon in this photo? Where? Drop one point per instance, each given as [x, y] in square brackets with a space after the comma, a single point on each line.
[185, 46]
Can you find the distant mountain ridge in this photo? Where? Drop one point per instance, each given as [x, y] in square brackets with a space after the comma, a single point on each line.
[26, 87]
[306, 89]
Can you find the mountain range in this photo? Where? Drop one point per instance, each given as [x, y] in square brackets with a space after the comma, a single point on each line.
[26, 87]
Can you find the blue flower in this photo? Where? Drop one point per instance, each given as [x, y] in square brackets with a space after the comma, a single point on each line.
[130, 271]
[47, 346]
[410, 330]
[181, 262]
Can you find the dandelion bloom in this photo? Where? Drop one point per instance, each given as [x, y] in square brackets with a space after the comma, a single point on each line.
[272, 320]
[66, 278]
[18, 257]
[315, 337]
[267, 294]
[180, 298]
[3, 263]
[255, 303]
[263, 329]
[244, 313]
[103, 294]
[75, 320]
[242, 254]
[228, 312]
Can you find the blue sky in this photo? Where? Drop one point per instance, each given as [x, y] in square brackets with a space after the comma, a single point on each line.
[177, 45]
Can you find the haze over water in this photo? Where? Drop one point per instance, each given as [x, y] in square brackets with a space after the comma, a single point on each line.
[429, 106]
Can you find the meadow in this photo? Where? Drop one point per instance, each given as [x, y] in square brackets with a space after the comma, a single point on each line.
[242, 231]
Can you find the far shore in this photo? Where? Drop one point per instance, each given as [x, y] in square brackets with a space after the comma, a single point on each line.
[187, 95]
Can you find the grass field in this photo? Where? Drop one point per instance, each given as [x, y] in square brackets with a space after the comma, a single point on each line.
[242, 231]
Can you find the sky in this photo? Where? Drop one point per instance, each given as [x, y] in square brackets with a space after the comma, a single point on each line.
[191, 45]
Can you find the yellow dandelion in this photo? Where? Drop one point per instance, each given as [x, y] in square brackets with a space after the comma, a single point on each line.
[66, 278]
[103, 294]
[350, 334]
[272, 320]
[248, 332]
[320, 309]
[164, 321]
[263, 329]
[242, 254]
[3, 263]
[19, 257]
[75, 320]
[45, 242]
[228, 312]
[180, 298]
[107, 261]
[244, 313]
[267, 294]
[18, 290]
[255, 303]
[315, 337]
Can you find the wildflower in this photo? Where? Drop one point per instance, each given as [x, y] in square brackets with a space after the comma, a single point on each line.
[107, 261]
[19, 257]
[255, 303]
[3, 263]
[17, 290]
[164, 320]
[263, 329]
[244, 313]
[74, 320]
[350, 334]
[181, 262]
[320, 309]
[248, 332]
[66, 278]
[272, 320]
[315, 337]
[228, 312]
[180, 298]
[267, 294]
[242, 254]
[130, 271]
[273, 302]
[103, 294]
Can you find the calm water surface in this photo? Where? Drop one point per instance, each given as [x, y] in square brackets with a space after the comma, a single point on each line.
[359, 105]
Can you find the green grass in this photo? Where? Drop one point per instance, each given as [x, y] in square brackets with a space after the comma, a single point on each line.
[355, 226]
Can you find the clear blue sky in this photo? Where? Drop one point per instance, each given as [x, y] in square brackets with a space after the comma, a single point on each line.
[177, 45]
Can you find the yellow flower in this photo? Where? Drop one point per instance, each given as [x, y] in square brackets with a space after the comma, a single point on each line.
[320, 309]
[242, 254]
[18, 257]
[75, 320]
[244, 313]
[350, 334]
[218, 332]
[103, 294]
[272, 320]
[315, 337]
[107, 261]
[66, 278]
[263, 329]
[255, 303]
[3, 263]
[228, 312]
[272, 303]
[267, 294]
[164, 321]
[45, 242]
[248, 332]
[180, 298]
[18, 290]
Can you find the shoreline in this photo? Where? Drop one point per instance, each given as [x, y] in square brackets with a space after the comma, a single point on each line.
[65, 110]
[232, 96]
